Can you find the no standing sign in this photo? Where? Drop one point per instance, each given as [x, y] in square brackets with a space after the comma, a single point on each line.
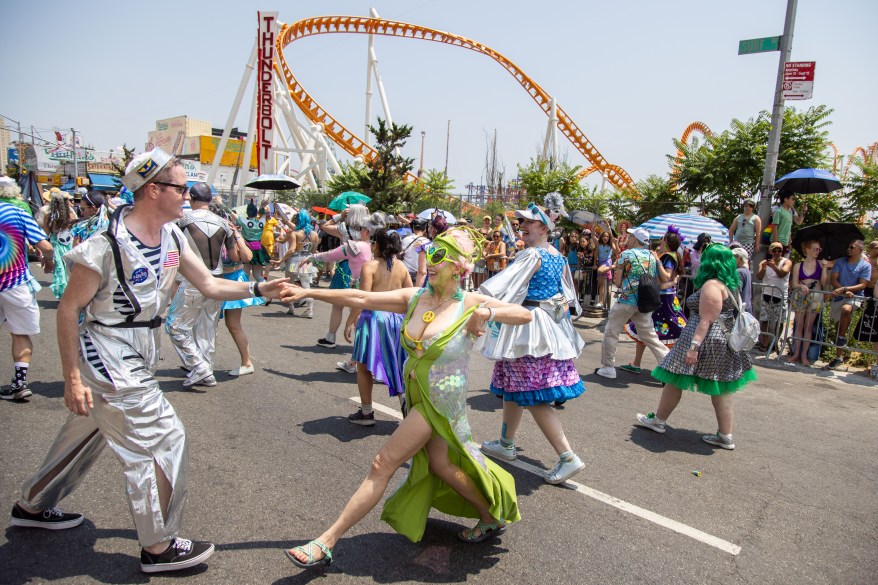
[798, 80]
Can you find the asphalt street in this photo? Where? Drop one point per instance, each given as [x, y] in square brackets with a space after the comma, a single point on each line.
[273, 460]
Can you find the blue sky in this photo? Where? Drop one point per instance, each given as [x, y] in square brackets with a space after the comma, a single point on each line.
[632, 73]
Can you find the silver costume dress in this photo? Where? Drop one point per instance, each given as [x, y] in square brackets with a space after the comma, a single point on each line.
[550, 333]
[192, 319]
[119, 351]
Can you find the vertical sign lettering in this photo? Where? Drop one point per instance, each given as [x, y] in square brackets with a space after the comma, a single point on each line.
[264, 94]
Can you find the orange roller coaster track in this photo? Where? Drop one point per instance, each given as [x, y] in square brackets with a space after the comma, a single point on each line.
[377, 26]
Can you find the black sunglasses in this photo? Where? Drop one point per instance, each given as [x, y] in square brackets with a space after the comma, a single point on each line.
[181, 189]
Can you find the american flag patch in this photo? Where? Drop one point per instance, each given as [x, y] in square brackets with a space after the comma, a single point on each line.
[172, 260]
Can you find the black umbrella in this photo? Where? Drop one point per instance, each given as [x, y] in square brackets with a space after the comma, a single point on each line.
[30, 191]
[834, 238]
[808, 181]
[273, 183]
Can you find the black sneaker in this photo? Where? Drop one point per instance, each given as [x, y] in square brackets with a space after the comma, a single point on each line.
[365, 420]
[323, 342]
[16, 392]
[50, 519]
[182, 554]
[834, 363]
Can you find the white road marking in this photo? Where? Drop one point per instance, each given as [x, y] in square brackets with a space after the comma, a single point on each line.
[677, 527]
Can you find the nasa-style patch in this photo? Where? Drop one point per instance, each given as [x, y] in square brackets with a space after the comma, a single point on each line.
[139, 275]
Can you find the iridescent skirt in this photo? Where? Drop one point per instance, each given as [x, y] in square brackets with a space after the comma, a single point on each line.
[377, 346]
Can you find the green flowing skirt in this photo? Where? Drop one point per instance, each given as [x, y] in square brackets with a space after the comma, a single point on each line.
[407, 509]
[703, 385]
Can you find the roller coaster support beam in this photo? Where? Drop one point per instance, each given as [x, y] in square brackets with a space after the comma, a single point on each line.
[768, 176]
[551, 141]
[367, 135]
[248, 70]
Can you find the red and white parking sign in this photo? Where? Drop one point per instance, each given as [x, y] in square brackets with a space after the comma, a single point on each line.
[798, 80]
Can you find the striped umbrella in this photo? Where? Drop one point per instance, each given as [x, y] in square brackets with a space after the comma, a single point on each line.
[690, 226]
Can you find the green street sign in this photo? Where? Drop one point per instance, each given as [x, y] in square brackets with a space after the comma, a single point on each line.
[762, 45]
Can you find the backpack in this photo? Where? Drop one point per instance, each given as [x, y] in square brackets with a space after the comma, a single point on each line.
[745, 331]
[649, 296]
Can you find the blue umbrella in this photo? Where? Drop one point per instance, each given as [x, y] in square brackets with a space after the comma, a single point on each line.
[690, 226]
[808, 181]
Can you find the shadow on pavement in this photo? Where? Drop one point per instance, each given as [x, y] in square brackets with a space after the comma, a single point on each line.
[337, 350]
[620, 382]
[485, 401]
[343, 430]
[682, 440]
[47, 389]
[43, 555]
[50, 304]
[390, 558]
[335, 376]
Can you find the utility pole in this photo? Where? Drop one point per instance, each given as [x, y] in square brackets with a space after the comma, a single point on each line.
[447, 144]
[75, 162]
[768, 176]
[421, 167]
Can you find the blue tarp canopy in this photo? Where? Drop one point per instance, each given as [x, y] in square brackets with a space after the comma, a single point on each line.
[98, 183]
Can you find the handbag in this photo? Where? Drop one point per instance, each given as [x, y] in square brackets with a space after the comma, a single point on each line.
[745, 331]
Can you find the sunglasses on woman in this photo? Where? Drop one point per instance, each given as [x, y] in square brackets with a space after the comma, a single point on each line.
[437, 255]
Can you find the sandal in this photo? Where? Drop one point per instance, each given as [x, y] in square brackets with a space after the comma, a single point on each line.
[308, 550]
[485, 531]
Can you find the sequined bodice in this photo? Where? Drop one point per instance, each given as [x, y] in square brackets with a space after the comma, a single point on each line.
[546, 282]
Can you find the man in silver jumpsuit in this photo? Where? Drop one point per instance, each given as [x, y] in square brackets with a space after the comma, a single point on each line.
[192, 318]
[120, 282]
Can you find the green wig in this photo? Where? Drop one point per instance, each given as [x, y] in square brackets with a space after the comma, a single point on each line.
[718, 262]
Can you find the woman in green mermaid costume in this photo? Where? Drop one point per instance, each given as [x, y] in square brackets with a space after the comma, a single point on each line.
[448, 472]
[702, 360]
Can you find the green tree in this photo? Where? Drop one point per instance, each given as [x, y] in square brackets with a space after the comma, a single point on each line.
[127, 156]
[656, 196]
[728, 166]
[13, 171]
[433, 190]
[387, 170]
[542, 176]
[353, 177]
[861, 191]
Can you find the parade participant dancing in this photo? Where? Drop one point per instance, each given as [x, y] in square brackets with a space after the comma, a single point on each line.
[122, 282]
[292, 262]
[377, 351]
[702, 360]
[447, 471]
[192, 318]
[535, 360]
[95, 217]
[251, 229]
[232, 311]
[355, 225]
[58, 223]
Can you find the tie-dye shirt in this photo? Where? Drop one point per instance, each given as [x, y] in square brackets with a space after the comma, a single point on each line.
[17, 230]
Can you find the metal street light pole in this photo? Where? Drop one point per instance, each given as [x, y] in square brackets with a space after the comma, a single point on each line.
[421, 167]
[786, 46]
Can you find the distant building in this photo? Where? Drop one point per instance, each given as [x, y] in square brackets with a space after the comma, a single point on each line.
[5, 145]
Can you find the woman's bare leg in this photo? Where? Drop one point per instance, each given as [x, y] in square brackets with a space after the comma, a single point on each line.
[668, 402]
[365, 382]
[725, 412]
[437, 451]
[810, 317]
[639, 348]
[411, 435]
[232, 318]
[549, 422]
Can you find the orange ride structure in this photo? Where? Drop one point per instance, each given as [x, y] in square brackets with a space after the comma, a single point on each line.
[280, 96]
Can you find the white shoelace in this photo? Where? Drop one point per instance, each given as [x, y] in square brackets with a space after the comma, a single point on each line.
[52, 513]
[182, 544]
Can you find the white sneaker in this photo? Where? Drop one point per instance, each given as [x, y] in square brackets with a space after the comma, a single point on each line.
[598, 305]
[564, 470]
[720, 441]
[498, 450]
[648, 421]
[242, 370]
[208, 381]
[308, 314]
[606, 372]
[346, 367]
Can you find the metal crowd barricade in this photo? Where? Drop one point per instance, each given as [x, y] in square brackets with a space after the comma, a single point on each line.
[588, 288]
[778, 319]
[789, 337]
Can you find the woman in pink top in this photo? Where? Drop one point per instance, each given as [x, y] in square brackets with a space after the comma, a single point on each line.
[355, 232]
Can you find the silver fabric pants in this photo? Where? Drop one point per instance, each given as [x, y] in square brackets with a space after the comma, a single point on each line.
[144, 432]
[620, 313]
[191, 325]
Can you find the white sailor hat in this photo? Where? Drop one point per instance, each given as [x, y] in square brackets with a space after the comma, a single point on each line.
[144, 168]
